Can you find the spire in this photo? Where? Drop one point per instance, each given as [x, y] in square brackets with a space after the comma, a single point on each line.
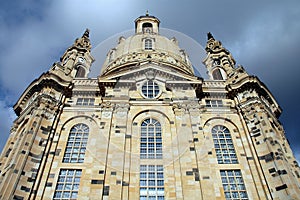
[77, 59]
[219, 61]
[212, 44]
[84, 41]
[81, 44]
[210, 36]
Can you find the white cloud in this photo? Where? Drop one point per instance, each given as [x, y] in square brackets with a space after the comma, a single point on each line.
[31, 47]
[7, 116]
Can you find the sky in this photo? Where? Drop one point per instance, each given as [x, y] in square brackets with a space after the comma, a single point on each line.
[263, 36]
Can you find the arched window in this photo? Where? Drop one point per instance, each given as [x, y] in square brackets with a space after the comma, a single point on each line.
[76, 145]
[224, 145]
[217, 75]
[151, 175]
[151, 140]
[147, 27]
[150, 89]
[80, 72]
[148, 44]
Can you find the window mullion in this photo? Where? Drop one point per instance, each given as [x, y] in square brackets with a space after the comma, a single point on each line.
[150, 181]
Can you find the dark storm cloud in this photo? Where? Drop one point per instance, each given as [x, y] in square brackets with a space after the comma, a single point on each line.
[270, 51]
[263, 36]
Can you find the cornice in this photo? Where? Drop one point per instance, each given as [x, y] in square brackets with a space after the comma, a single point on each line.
[47, 79]
[253, 82]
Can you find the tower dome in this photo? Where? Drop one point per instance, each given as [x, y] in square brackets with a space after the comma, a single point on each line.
[146, 45]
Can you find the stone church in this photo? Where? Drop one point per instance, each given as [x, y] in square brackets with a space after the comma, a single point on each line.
[147, 128]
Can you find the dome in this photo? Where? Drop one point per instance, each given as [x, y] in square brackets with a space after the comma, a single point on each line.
[146, 45]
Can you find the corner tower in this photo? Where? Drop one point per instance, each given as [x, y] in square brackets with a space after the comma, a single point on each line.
[219, 61]
[77, 59]
[33, 133]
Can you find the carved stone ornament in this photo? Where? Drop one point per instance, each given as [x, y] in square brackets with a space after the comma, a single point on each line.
[121, 109]
[106, 114]
[194, 109]
[84, 41]
[179, 109]
[48, 115]
[107, 109]
[150, 75]
[107, 105]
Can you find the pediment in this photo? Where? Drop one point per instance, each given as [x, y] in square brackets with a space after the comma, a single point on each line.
[150, 71]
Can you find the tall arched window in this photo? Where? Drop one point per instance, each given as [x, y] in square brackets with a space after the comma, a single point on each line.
[76, 145]
[217, 75]
[151, 140]
[80, 72]
[151, 175]
[223, 145]
[148, 44]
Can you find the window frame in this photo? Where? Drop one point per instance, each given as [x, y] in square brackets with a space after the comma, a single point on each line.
[85, 102]
[151, 139]
[68, 182]
[147, 27]
[148, 44]
[233, 184]
[213, 103]
[224, 146]
[150, 89]
[217, 74]
[152, 182]
[80, 73]
[76, 144]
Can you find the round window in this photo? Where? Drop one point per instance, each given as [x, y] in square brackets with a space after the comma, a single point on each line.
[150, 89]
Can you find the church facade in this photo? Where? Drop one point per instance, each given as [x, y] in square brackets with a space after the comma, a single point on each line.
[147, 128]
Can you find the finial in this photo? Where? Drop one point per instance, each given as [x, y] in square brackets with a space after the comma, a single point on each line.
[84, 41]
[147, 13]
[210, 36]
[86, 33]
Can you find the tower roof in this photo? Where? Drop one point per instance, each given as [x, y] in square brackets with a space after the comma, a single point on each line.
[146, 45]
[145, 21]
